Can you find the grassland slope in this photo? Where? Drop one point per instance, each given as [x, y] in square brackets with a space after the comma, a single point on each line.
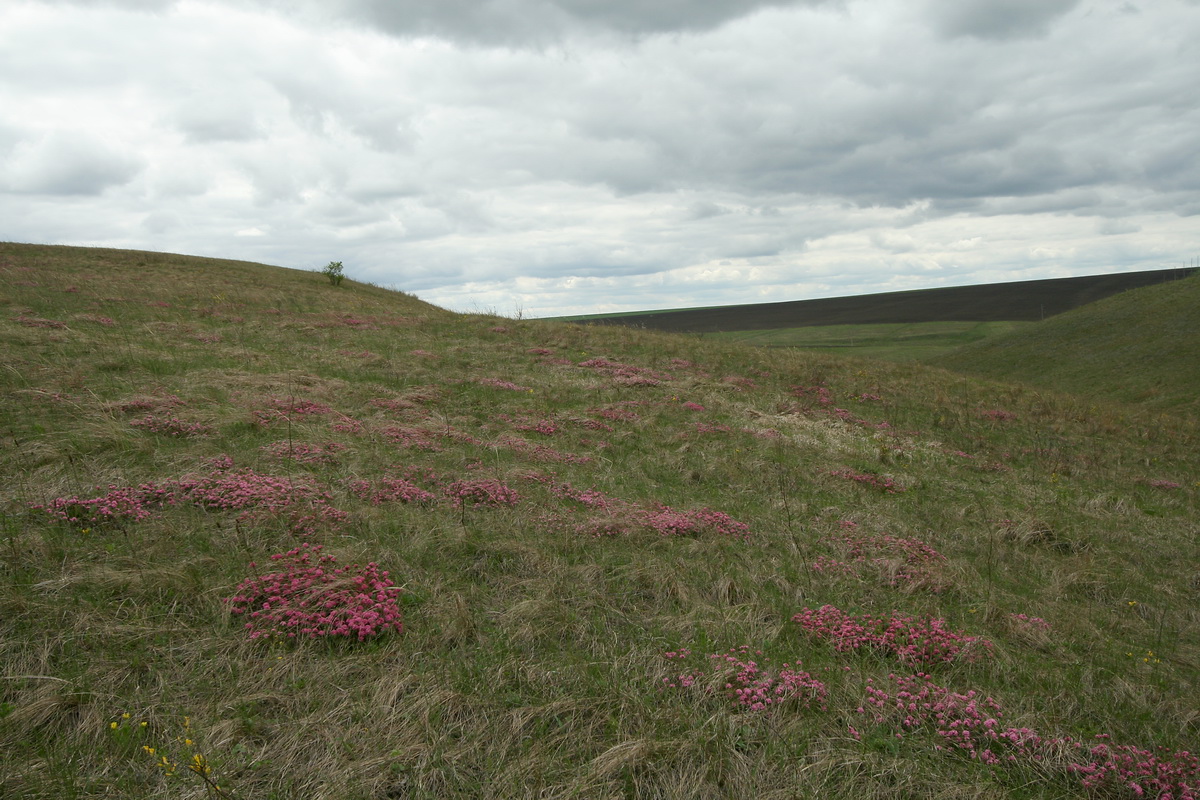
[1140, 346]
[264, 537]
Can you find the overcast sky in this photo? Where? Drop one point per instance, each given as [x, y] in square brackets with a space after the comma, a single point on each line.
[549, 157]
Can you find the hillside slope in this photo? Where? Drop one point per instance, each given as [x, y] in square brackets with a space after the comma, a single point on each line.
[1141, 346]
[263, 537]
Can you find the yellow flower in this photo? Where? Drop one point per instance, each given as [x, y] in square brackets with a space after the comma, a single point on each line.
[112, 725]
[125, 715]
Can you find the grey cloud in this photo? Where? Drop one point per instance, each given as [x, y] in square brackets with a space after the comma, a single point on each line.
[1116, 227]
[703, 209]
[988, 19]
[61, 163]
[539, 22]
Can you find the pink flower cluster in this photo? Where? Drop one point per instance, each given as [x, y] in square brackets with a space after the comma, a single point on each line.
[752, 685]
[542, 452]
[739, 382]
[965, 721]
[119, 505]
[171, 426]
[299, 407]
[617, 413]
[390, 490]
[1026, 622]
[819, 394]
[912, 640]
[481, 492]
[901, 560]
[545, 427]
[998, 415]
[668, 521]
[107, 322]
[412, 437]
[38, 322]
[304, 453]
[626, 374]
[974, 723]
[315, 600]
[619, 515]
[283, 409]
[885, 484]
[256, 496]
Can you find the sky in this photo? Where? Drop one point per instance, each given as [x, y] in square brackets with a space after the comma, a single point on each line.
[536, 158]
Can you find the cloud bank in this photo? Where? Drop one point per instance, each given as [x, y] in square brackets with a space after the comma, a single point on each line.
[575, 156]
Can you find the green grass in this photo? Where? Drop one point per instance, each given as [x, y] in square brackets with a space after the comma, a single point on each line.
[532, 662]
[1140, 346]
[917, 341]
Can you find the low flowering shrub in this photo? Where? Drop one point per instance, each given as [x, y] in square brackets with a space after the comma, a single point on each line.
[626, 374]
[749, 684]
[818, 394]
[739, 382]
[390, 490]
[38, 322]
[117, 506]
[617, 413]
[545, 427]
[257, 497]
[898, 560]
[496, 383]
[916, 641]
[304, 453]
[964, 721]
[299, 407]
[346, 424]
[107, 322]
[1031, 623]
[672, 522]
[481, 492]
[283, 409]
[886, 485]
[171, 426]
[307, 599]
[973, 723]
[412, 437]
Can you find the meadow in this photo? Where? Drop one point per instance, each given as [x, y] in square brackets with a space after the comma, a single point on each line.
[262, 536]
[896, 341]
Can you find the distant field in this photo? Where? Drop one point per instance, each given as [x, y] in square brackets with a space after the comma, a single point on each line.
[1023, 301]
[893, 342]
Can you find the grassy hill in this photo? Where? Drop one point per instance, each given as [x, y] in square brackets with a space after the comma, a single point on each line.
[1141, 346]
[264, 537]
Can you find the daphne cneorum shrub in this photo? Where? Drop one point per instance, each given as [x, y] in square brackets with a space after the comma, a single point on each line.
[317, 599]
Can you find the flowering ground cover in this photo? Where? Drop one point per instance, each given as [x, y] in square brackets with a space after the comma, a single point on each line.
[408, 553]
